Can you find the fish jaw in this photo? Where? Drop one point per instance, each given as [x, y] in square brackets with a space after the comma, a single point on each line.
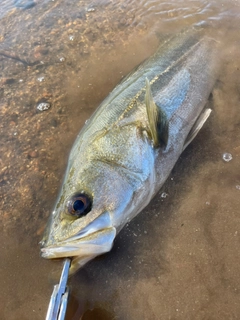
[82, 249]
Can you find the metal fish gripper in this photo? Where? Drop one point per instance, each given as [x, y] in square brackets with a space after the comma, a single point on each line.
[58, 302]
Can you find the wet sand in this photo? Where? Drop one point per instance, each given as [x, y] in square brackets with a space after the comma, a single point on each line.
[178, 259]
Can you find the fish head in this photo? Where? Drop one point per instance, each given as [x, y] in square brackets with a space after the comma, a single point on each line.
[87, 215]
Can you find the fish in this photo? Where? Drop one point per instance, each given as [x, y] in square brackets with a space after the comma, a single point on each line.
[129, 146]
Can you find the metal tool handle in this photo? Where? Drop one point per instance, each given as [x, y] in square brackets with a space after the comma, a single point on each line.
[58, 301]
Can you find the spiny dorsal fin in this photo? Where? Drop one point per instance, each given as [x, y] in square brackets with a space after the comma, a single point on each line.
[158, 124]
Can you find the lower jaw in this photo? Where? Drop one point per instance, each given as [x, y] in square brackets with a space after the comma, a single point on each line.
[83, 250]
[92, 245]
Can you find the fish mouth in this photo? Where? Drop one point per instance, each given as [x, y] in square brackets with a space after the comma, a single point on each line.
[94, 239]
[97, 242]
[81, 249]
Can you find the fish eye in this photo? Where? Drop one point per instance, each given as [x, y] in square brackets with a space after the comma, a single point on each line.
[79, 205]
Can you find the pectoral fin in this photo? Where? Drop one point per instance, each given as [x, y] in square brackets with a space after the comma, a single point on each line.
[197, 126]
[157, 119]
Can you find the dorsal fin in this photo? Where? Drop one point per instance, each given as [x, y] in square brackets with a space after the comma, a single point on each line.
[158, 124]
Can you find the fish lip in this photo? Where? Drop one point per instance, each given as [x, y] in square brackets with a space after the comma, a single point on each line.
[92, 245]
[97, 225]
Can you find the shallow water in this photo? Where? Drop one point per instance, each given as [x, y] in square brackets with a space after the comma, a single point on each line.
[179, 258]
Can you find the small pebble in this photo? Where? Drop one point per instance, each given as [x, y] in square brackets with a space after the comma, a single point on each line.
[24, 4]
[227, 157]
[71, 38]
[33, 154]
[42, 106]
[90, 9]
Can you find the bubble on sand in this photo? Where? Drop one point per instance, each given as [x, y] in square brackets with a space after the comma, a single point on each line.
[164, 195]
[227, 157]
[40, 79]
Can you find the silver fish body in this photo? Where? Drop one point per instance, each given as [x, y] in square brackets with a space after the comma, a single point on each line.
[116, 160]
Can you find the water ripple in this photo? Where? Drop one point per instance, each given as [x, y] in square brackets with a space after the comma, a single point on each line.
[199, 11]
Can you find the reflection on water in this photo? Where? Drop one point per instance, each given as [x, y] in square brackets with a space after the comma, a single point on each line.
[178, 259]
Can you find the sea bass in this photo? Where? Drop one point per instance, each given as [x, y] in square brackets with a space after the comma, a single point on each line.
[127, 149]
